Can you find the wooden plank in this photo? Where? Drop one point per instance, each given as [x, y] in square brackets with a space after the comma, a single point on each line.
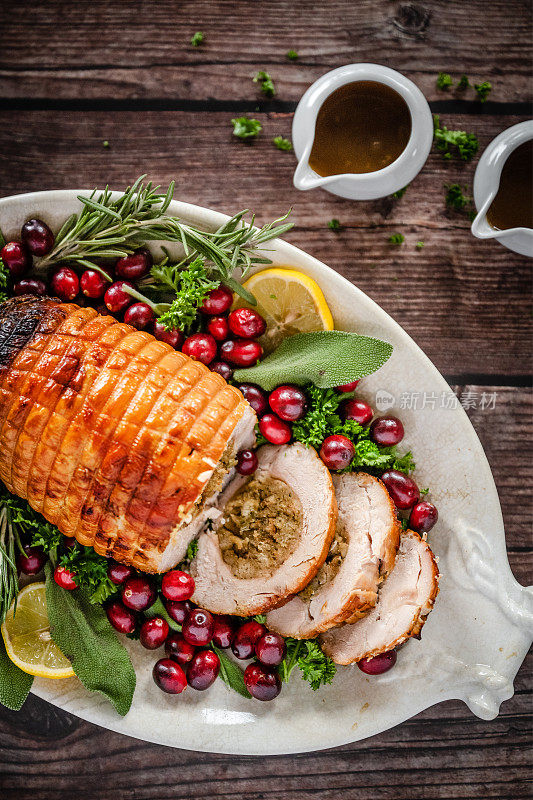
[448, 296]
[101, 49]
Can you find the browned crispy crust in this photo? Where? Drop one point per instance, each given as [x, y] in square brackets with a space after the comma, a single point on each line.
[107, 432]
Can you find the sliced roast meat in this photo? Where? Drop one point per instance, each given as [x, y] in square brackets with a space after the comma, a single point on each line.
[346, 585]
[404, 602]
[274, 534]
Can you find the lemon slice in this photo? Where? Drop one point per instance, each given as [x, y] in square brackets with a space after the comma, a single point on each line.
[290, 302]
[26, 633]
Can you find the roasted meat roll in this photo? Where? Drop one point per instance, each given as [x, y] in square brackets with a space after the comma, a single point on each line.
[116, 438]
[273, 533]
[405, 599]
[363, 551]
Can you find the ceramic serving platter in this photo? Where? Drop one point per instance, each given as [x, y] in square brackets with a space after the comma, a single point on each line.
[472, 644]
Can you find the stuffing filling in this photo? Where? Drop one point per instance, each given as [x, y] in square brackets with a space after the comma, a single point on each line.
[262, 526]
[331, 565]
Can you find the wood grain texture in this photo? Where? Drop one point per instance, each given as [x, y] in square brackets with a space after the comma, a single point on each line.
[94, 48]
[73, 75]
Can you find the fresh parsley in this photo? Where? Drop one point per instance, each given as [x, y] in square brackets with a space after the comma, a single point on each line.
[266, 83]
[400, 193]
[456, 199]
[444, 81]
[483, 90]
[292, 55]
[463, 83]
[465, 145]
[334, 225]
[397, 238]
[419, 245]
[281, 143]
[197, 38]
[315, 666]
[246, 128]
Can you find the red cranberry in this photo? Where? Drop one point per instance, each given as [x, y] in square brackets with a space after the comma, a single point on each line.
[140, 315]
[218, 328]
[246, 323]
[37, 237]
[16, 257]
[69, 542]
[178, 649]
[255, 396]
[118, 573]
[200, 346]
[245, 639]
[93, 284]
[177, 585]
[178, 611]
[65, 578]
[241, 352]
[423, 517]
[347, 387]
[198, 627]
[153, 632]
[337, 452]
[135, 266]
[402, 489]
[116, 299]
[355, 409]
[386, 431]
[203, 670]
[174, 337]
[32, 562]
[263, 684]
[274, 429]
[246, 462]
[379, 664]
[271, 649]
[169, 676]
[223, 631]
[288, 402]
[218, 301]
[65, 284]
[138, 593]
[222, 368]
[30, 286]
[120, 617]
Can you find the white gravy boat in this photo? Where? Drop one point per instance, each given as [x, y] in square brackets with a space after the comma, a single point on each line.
[487, 183]
[367, 185]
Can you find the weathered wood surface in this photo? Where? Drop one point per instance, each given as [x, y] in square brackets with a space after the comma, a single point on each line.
[72, 75]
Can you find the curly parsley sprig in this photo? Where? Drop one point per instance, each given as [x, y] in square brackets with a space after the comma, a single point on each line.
[315, 666]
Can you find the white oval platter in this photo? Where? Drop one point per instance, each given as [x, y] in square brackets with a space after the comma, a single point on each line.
[481, 627]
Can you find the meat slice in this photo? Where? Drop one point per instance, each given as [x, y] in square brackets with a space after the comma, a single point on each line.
[346, 586]
[264, 569]
[116, 438]
[404, 602]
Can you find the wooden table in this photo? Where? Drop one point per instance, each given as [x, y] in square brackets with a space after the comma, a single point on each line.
[75, 74]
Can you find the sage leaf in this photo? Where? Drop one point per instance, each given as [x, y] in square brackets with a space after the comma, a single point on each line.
[231, 674]
[157, 609]
[15, 684]
[325, 358]
[83, 633]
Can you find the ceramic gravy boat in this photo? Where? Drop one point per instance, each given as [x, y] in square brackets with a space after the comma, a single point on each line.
[368, 185]
[487, 183]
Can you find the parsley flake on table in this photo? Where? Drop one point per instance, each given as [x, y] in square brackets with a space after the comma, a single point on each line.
[197, 38]
[397, 238]
[444, 81]
[463, 83]
[281, 143]
[292, 55]
[267, 84]
[400, 193]
[483, 90]
[449, 142]
[456, 199]
[419, 245]
[334, 225]
[246, 127]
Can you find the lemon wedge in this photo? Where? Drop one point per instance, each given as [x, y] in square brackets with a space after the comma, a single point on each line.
[290, 302]
[26, 633]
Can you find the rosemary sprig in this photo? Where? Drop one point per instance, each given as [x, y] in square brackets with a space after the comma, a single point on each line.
[108, 228]
[9, 542]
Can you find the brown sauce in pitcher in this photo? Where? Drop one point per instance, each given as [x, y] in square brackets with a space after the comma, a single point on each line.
[361, 127]
[513, 205]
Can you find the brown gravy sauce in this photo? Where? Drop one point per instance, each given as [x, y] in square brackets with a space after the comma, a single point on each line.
[513, 205]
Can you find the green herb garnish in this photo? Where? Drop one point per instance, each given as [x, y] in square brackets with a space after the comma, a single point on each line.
[281, 143]
[449, 142]
[315, 666]
[246, 128]
[197, 39]
[463, 83]
[400, 193]
[4, 278]
[483, 90]
[419, 245]
[456, 199]
[266, 82]
[444, 81]
[397, 238]
[292, 55]
[105, 144]
[334, 225]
